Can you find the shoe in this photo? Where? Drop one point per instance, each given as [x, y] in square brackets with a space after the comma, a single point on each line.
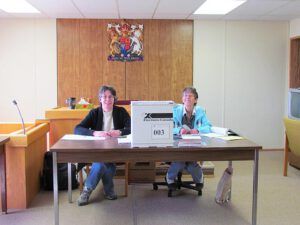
[111, 197]
[84, 197]
[199, 186]
[171, 186]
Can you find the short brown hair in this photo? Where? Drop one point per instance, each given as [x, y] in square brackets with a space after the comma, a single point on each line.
[192, 90]
[111, 89]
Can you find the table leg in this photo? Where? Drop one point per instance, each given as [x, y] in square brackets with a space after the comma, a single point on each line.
[3, 180]
[229, 196]
[55, 189]
[255, 184]
[69, 182]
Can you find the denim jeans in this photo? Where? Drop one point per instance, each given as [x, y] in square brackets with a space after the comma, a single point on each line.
[192, 167]
[99, 170]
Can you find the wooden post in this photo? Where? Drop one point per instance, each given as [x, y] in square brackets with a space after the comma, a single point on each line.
[286, 156]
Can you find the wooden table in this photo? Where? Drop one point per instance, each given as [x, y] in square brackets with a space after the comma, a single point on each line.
[63, 120]
[210, 149]
[3, 140]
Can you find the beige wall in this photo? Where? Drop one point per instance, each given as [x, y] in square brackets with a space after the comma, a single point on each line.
[27, 67]
[240, 69]
[295, 27]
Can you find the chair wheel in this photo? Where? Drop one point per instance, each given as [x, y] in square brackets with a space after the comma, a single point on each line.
[169, 193]
[155, 187]
[200, 193]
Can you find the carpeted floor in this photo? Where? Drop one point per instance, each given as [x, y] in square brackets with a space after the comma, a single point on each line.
[278, 202]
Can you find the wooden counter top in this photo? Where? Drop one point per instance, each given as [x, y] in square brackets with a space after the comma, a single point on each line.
[66, 113]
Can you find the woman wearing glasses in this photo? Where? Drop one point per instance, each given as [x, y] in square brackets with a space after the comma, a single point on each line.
[188, 119]
[107, 120]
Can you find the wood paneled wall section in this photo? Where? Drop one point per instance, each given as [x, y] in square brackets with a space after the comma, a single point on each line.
[83, 66]
[294, 81]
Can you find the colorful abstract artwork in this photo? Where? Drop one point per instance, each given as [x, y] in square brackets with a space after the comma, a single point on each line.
[125, 42]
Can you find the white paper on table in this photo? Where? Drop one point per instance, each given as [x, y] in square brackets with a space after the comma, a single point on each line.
[231, 138]
[81, 137]
[220, 130]
[212, 135]
[187, 143]
[190, 136]
[126, 139]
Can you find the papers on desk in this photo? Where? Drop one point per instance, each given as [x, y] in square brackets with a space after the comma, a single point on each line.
[190, 136]
[212, 135]
[124, 139]
[222, 133]
[81, 137]
[231, 138]
[190, 142]
[220, 130]
[217, 132]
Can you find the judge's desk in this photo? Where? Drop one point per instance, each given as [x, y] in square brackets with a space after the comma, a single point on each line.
[3, 140]
[210, 149]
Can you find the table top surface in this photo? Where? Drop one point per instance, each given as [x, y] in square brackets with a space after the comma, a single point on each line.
[3, 140]
[187, 145]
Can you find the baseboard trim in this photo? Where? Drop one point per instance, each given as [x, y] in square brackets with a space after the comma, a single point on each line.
[273, 149]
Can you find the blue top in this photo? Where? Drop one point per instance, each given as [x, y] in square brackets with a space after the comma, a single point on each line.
[201, 123]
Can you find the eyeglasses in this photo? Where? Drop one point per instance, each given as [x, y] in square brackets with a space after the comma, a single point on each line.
[107, 97]
[188, 95]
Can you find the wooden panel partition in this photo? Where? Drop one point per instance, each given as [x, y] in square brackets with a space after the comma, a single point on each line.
[83, 66]
[24, 162]
[294, 81]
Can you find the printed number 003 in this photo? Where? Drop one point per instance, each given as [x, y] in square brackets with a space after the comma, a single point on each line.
[158, 132]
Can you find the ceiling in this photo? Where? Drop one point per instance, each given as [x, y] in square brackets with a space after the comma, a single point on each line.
[158, 9]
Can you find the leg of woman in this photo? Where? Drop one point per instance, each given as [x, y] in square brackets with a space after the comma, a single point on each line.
[173, 170]
[107, 180]
[91, 182]
[196, 171]
[97, 171]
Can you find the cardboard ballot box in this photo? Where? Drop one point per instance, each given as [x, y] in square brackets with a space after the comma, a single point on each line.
[152, 123]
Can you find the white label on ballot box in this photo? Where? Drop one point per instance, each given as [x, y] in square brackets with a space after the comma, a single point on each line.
[160, 131]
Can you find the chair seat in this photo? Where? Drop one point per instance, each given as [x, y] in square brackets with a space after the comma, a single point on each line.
[294, 160]
[292, 144]
[179, 184]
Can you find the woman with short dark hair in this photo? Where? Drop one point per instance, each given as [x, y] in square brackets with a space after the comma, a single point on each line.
[107, 120]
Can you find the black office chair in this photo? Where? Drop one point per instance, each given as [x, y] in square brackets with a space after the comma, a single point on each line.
[179, 184]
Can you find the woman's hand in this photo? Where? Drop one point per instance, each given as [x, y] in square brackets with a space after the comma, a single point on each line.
[183, 131]
[101, 134]
[194, 131]
[114, 133]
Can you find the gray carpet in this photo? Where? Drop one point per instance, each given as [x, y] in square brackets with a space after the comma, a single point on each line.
[278, 202]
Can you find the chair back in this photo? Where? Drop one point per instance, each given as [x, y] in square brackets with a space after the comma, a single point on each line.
[125, 104]
[292, 130]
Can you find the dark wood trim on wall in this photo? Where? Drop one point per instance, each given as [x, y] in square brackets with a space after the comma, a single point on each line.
[82, 50]
[294, 78]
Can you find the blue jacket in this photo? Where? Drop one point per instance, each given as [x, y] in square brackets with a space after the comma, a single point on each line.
[201, 123]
